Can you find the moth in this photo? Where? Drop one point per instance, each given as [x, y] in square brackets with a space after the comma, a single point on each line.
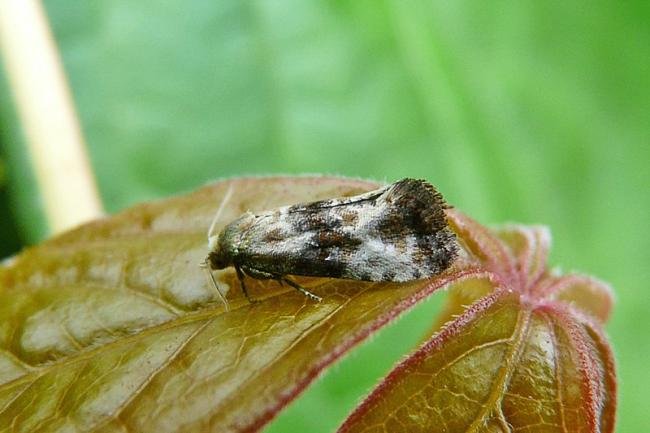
[396, 233]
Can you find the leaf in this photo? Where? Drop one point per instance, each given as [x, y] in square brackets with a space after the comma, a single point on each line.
[113, 326]
[527, 355]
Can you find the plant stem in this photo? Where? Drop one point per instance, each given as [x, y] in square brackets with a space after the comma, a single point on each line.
[47, 114]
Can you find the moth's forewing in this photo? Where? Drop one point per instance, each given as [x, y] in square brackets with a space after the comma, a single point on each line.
[396, 233]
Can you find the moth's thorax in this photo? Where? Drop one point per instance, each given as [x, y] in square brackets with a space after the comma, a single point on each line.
[233, 232]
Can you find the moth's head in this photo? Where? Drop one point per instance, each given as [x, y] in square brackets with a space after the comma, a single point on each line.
[219, 259]
[220, 255]
[224, 245]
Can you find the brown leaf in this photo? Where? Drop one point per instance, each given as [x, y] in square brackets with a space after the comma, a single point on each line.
[113, 326]
[521, 350]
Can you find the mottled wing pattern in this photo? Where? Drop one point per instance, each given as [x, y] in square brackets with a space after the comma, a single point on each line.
[396, 233]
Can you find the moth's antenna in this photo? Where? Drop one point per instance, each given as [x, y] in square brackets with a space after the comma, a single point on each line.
[205, 266]
[217, 214]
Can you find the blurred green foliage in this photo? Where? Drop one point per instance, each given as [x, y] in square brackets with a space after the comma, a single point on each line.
[536, 112]
[9, 241]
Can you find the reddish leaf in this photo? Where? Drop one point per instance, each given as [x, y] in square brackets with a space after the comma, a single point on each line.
[113, 327]
[527, 355]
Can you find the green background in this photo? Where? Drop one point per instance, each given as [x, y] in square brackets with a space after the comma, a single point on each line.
[537, 112]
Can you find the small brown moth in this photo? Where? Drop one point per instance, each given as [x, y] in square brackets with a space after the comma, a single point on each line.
[395, 233]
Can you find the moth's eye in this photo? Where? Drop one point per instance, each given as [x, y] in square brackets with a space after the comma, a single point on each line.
[218, 260]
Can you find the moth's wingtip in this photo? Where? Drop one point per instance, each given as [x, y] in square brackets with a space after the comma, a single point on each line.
[410, 185]
[423, 195]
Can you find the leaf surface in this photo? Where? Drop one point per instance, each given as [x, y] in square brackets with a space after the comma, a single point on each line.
[521, 349]
[113, 326]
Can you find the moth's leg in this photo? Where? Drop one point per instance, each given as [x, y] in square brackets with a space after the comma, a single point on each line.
[258, 274]
[301, 289]
[263, 275]
[241, 277]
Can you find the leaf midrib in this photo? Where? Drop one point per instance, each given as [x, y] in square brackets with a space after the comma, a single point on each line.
[505, 372]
